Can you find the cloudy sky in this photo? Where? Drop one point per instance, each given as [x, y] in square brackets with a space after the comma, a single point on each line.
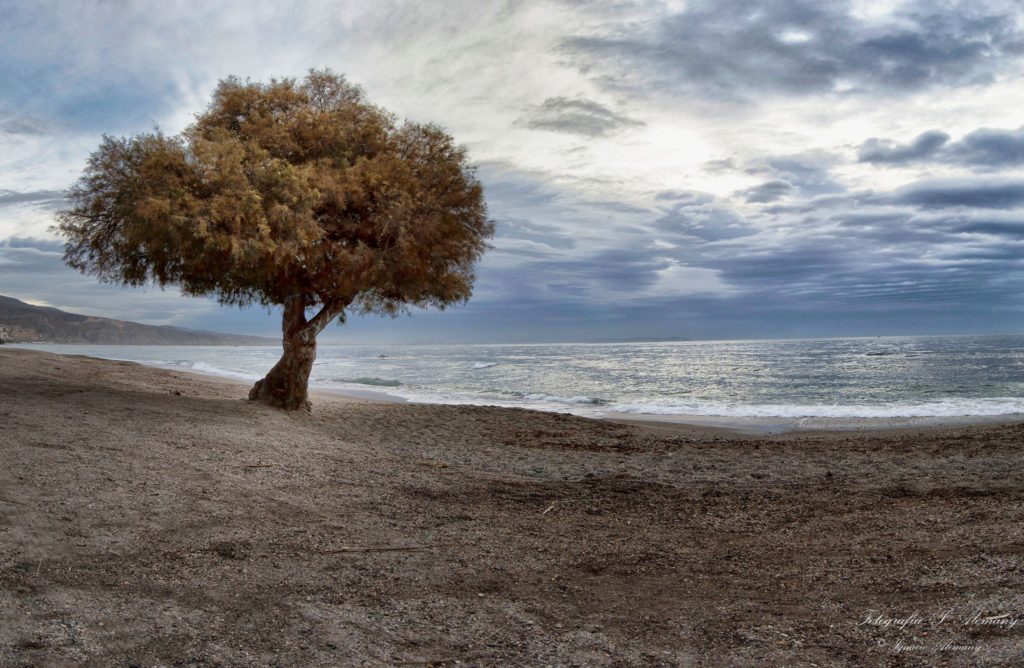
[686, 168]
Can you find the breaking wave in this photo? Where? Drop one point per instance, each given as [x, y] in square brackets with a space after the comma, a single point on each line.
[555, 399]
[945, 408]
[379, 382]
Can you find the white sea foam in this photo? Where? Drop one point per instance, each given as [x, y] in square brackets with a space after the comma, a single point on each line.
[189, 365]
[553, 398]
[381, 382]
[203, 367]
[945, 408]
[484, 365]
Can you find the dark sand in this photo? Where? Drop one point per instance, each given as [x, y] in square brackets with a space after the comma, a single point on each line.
[143, 527]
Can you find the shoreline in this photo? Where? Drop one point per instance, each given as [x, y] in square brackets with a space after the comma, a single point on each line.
[364, 395]
[739, 425]
[770, 426]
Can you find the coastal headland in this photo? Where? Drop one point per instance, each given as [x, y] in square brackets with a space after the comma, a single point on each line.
[152, 517]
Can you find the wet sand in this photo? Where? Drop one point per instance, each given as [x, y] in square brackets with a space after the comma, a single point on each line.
[152, 517]
[768, 426]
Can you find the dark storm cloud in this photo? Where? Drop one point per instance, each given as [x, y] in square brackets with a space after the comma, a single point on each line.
[891, 266]
[954, 243]
[963, 192]
[623, 270]
[700, 216]
[864, 265]
[878, 151]
[827, 203]
[577, 116]
[790, 267]
[527, 230]
[734, 48]
[990, 148]
[24, 126]
[28, 256]
[807, 173]
[985, 148]
[511, 189]
[769, 191]
[687, 197]
[604, 277]
[1000, 228]
[43, 198]
[49, 246]
[928, 255]
[821, 261]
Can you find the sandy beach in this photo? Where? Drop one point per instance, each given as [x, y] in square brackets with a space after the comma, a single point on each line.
[151, 517]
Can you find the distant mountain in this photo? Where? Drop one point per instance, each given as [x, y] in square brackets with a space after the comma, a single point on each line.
[26, 323]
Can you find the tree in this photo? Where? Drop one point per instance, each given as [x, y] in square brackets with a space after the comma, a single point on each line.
[292, 193]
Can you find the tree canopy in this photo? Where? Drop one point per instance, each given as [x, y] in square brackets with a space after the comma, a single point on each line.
[293, 192]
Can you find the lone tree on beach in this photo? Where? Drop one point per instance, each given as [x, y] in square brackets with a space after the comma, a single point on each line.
[292, 193]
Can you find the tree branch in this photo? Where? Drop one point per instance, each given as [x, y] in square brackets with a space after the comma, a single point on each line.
[331, 310]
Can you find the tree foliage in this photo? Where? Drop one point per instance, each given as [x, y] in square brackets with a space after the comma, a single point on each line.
[283, 189]
[294, 192]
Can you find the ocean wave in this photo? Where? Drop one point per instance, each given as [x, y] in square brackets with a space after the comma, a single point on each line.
[203, 367]
[190, 365]
[379, 382]
[555, 399]
[148, 362]
[946, 408]
[484, 365]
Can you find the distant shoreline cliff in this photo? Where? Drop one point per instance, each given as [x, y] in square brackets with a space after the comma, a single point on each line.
[26, 323]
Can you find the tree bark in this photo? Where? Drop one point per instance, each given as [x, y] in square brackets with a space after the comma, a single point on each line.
[286, 386]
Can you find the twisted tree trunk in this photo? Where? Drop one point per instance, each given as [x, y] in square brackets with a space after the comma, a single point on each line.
[286, 386]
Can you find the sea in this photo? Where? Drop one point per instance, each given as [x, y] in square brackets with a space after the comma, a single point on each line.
[881, 377]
